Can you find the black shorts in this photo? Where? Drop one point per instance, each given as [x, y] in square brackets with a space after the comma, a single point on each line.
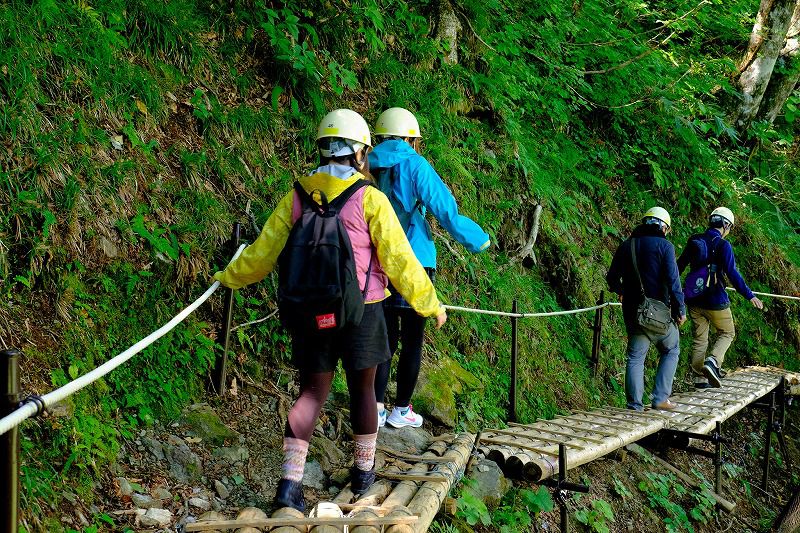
[359, 347]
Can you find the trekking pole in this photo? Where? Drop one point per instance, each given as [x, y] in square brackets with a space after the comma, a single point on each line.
[219, 376]
[9, 443]
[512, 388]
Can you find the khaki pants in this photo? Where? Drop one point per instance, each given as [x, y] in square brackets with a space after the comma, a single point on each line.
[702, 319]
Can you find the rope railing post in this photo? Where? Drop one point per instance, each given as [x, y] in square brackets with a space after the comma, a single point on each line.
[597, 332]
[9, 443]
[512, 387]
[219, 377]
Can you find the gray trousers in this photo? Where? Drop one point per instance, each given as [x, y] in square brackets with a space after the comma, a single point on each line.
[668, 347]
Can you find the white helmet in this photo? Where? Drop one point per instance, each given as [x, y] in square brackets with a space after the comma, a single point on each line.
[397, 122]
[723, 212]
[659, 213]
[348, 128]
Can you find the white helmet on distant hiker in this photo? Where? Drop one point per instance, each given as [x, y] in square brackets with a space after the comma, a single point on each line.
[347, 133]
[397, 122]
[658, 213]
[723, 213]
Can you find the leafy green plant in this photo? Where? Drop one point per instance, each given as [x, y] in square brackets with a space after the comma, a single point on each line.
[597, 517]
[472, 509]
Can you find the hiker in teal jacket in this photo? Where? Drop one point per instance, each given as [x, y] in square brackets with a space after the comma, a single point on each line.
[414, 188]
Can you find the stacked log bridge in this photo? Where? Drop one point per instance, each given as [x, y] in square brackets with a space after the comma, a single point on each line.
[699, 411]
[530, 451]
[410, 485]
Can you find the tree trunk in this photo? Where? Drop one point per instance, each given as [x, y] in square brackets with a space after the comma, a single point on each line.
[447, 28]
[766, 42]
[785, 75]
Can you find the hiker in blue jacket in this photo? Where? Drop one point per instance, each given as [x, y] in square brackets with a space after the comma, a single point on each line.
[414, 188]
[655, 259]
[710, 259]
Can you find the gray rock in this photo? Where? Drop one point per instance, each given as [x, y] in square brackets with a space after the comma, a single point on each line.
[340, 477]
[221, 489]
[162, 494]
[125, 488]
[313, 476]
[156, 518]
[185, 465]
[155, 447]
[326, 452]
[232, 455]
[490, 483]
[109, 248]
[203, 422]
[144, 501]
[200, 503]
[407, 439]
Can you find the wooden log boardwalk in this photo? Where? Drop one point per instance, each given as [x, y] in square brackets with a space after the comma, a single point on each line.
[411, 489]
[530, 451]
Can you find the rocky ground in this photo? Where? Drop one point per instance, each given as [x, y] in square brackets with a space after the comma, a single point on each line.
[226, 457]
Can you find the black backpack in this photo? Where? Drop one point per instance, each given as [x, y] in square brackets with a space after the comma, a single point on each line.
[385, 176]
[317, 280]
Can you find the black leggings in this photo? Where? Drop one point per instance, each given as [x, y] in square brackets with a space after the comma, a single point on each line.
[314, 389]
[406, 326]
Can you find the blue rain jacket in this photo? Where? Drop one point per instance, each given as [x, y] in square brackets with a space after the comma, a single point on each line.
[416, 180]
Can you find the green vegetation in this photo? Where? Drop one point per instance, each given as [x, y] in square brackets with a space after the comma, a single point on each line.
[133, 133]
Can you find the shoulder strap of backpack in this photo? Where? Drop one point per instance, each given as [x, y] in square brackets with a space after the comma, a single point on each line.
[338, 203]
[636, 266]
[307, 200]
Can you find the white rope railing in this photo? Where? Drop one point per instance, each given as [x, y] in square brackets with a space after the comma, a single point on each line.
[30, 409]
[781, 296]
[529, 315]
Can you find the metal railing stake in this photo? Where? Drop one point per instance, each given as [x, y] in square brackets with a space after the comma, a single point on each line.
[220, 375]
[597, 333]
[9, 443]
[512, 390]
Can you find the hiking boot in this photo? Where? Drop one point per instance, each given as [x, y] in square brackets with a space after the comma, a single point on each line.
[360, 480]
[381, 417]
[290, 494]
[711, 371]
[402, 417]
[666, 405]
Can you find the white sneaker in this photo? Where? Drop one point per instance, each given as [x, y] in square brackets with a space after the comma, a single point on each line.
[381, 417]
[402, 417]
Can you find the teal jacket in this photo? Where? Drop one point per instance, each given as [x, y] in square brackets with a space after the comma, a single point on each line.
[416, 183]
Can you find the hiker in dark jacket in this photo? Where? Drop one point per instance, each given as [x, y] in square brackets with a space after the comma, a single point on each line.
[707, 299]
[659, 275]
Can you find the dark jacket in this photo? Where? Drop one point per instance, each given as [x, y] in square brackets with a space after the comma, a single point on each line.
[714, 298]
[657, 267]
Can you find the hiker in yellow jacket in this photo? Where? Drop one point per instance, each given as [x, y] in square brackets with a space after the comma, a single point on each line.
[381, 254]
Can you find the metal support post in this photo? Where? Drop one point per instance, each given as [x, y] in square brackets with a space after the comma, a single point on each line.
[219, 377]
[768, 439]
[562, 488]
[9, 443]
[597, 333]
[562, 477]
[781, 424]
[512, 390]
[718, 458]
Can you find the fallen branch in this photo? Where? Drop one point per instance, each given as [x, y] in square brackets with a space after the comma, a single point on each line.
[526, 251]
[272, 314]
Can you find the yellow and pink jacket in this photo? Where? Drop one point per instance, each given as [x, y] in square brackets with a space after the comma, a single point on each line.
[371, 225]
